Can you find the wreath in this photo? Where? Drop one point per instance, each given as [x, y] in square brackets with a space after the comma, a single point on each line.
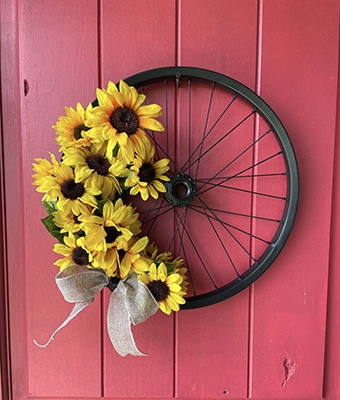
[106, 160]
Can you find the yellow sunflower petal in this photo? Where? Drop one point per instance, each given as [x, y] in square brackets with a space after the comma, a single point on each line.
[151, 110]
[172, 303]
[150, 123]
[139, 245]
[164, 307]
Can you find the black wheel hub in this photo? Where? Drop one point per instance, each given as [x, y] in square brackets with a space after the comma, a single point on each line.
[180, 190]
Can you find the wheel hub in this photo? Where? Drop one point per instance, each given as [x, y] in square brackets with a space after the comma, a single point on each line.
[180, 190]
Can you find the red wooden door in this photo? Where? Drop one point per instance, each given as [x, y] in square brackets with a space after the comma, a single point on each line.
[267, 342]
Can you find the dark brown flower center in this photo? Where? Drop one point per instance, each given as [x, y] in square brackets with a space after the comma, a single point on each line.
[100, 164]
[124, 120]
[72, 190]
[78, 129]
[159, 290]
[121, 254]
[80, 256]
[111, 234]
[147, 173]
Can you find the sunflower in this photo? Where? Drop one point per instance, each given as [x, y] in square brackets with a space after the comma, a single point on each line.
[146, 175]
[68, 222]
[74, 252]
[166, 288]
[117, 224]
[71, 129]
[72, 195]
[131, 257]
[121, 119]
[44, 173]
[97, 168]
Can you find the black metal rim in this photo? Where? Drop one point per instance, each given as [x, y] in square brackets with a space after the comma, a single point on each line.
[142, 80]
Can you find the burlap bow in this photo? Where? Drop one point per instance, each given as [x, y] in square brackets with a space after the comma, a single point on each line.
[131, 301]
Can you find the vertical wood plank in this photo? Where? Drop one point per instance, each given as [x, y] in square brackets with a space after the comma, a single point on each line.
[212, 342]
[298, 78]
[11, 130]
[58, 61]
[332, 360]
[137, 36]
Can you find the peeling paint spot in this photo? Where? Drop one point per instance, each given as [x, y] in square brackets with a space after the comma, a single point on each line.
[194, 388]
[289, 366]
[26, 87]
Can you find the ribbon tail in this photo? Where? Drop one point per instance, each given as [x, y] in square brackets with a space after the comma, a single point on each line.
[78, 307]
[119, 327]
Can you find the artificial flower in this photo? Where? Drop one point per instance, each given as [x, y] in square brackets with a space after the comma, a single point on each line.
[71, 129]
[72, 195]
[117, 223]
[74, 252]
[97, 168]
[166, 288]
[68, 222]
[121, 120]
[44, 172]
[146, 175]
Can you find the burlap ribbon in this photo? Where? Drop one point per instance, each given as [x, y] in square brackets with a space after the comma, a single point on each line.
[131, 301]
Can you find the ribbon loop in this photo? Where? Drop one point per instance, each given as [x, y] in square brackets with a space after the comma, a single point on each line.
[78, 283]
[131, 301]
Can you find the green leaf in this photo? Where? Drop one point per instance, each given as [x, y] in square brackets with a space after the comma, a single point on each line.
[115, 150]
[50, 206]
[52, 228]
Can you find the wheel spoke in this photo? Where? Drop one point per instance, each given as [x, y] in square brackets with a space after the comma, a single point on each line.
[274, 174]
[252, 192]
[200, 145]
[205, 209]
[243, 152]
[237, 174]
[197, 254]
[163, 206]
[249, 216]
[226, 224]
[186, 167]
[206, 134]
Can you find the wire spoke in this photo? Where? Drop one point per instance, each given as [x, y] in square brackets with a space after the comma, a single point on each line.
[194, 247]
[226, 224]
[218, 141]
[166, 208]
[204, 137]
[252, 192]
[220, 240]
[159, 149]
[251, 146]
[184, 253]
[181, 221]
[177, 226]
[239, 173]
[205, 128]
[206, 180]
[250, 216]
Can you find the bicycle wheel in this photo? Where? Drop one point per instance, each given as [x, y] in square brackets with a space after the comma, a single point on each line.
[232, 197]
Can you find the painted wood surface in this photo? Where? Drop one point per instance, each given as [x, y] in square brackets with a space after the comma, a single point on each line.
[266, 342]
